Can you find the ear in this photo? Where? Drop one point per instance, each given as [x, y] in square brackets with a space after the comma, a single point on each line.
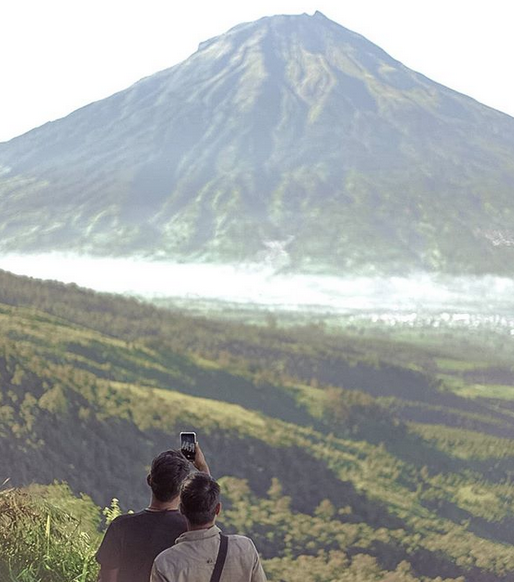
[149, 479]
[217, 509]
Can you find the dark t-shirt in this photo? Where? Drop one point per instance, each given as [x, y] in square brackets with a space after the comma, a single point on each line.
[133, 541]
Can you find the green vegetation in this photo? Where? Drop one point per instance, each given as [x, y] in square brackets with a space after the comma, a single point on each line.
[47, 535]
[343, 456]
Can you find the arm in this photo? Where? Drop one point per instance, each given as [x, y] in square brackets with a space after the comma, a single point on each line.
[156, 576]
[109, 553]
[258, 574]
[108, 574]
[200, 463]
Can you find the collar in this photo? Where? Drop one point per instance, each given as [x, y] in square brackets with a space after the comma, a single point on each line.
[199, 534]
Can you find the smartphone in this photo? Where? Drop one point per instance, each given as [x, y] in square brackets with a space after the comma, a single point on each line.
[188, 445]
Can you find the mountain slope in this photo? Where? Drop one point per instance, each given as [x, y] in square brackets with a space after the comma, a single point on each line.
[290, 128]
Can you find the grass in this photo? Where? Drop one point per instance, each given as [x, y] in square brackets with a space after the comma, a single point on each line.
[450, 365]
[496, 391]
[42, 543]
[464, 444]
[460, 387]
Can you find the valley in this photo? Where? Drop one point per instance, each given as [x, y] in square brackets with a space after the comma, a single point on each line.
[360, 435]
[297, 247]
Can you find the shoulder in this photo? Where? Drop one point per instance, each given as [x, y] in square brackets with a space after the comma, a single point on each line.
[129, 517]
[241, 542]
[125, 519]
[166, 559]
[236, 538]
[111, 548]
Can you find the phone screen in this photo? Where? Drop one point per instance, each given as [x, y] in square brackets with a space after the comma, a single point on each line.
[187, 445]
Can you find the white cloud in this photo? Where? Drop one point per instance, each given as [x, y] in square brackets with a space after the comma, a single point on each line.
[255, 284]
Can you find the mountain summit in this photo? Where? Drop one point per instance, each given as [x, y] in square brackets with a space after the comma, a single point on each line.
[290, 128]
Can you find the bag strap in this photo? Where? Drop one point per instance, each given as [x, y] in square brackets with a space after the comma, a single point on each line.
[220, 560]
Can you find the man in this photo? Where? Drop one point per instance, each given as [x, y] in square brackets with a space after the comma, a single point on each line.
[132, 541]
[195, 553]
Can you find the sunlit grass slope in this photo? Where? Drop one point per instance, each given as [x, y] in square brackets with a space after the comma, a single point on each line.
[317, 465]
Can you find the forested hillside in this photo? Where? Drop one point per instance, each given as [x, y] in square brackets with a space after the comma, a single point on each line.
[357, 457]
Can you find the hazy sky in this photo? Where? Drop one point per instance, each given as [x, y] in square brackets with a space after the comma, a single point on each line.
[58, 55]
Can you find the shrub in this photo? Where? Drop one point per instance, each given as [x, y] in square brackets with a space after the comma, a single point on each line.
[40, 542]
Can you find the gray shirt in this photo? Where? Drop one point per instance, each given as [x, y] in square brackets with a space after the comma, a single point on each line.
[194, 554]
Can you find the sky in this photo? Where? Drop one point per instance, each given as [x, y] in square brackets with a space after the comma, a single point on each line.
[58, 55]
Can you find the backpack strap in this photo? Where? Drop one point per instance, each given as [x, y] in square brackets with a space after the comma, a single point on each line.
[220, 560]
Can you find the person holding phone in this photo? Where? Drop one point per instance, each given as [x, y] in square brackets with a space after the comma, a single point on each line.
[132, 541]
[203, 553]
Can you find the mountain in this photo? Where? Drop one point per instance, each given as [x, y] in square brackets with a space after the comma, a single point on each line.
[289, 131]
[309, 432]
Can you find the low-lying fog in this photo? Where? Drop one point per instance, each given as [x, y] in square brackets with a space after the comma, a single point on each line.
[260, 285]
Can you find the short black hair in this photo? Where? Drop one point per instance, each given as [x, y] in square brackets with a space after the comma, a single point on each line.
[199, 496]
[167, 472]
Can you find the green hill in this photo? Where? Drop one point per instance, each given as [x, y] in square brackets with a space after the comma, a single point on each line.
[311, 429]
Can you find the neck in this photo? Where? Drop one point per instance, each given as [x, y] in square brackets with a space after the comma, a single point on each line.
[156, 505]
[191, 527]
